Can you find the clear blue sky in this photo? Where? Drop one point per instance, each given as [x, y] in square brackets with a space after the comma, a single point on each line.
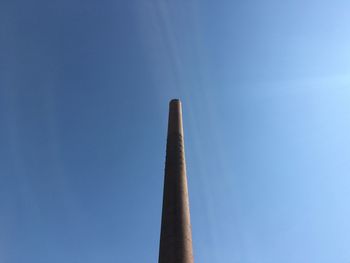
[84, 91]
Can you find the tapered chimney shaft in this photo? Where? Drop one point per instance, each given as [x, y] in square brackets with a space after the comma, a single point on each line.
[176, 237]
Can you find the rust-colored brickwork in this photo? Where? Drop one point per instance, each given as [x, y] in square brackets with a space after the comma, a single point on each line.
[176, 237]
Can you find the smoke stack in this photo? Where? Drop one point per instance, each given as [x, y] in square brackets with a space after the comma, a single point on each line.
[176, 237]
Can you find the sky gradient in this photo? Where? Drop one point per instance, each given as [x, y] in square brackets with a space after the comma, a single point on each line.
[84, 92]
